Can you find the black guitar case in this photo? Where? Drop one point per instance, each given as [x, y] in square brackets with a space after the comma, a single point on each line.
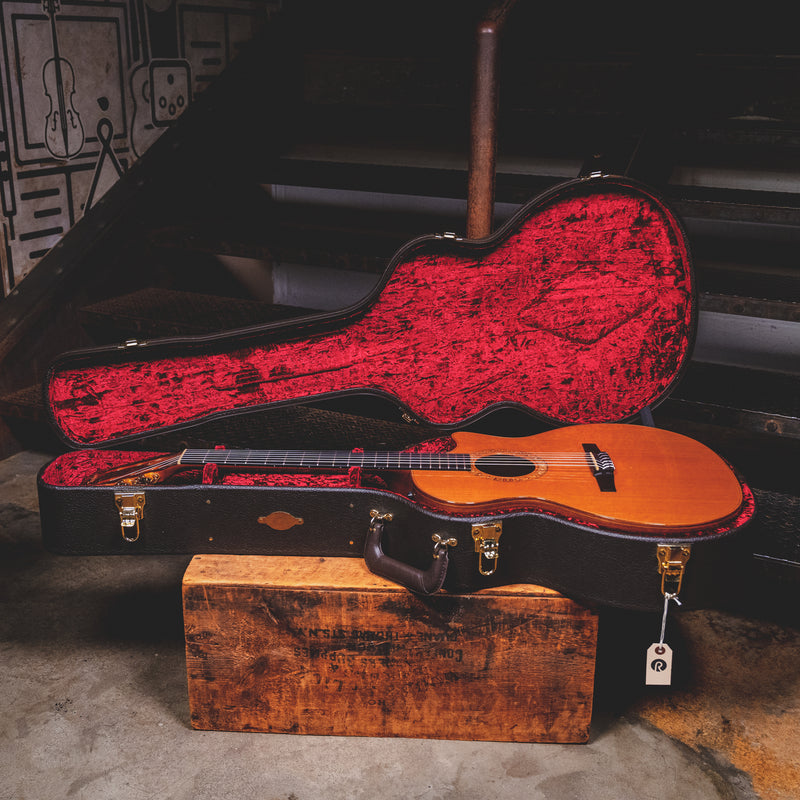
[581, 309]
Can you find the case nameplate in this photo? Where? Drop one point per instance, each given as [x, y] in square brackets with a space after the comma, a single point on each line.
[280, 520]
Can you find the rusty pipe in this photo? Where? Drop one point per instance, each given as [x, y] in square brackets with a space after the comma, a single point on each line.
[483, 121]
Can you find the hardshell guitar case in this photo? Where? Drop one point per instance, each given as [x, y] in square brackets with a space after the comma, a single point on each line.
[579, 314]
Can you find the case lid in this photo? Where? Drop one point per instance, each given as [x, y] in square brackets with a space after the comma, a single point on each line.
[581, 308]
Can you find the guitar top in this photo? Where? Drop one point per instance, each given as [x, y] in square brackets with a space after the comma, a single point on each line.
[625, 477]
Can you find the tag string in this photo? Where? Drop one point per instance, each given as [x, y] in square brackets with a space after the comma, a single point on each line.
[667, 597]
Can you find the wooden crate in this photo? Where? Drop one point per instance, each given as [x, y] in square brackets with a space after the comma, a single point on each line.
[322, 646]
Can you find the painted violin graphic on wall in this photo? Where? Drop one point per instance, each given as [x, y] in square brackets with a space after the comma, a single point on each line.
[63, 134]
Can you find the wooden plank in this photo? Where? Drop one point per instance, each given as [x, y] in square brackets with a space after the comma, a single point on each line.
[322, 646]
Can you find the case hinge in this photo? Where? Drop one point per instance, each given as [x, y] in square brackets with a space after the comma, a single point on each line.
[671, 566]
[487, 545]
[131, 511]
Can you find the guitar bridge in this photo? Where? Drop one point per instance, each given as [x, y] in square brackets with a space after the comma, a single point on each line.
[602, 467]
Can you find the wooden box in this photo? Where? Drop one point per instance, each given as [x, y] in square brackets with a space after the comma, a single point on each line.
[322, 646]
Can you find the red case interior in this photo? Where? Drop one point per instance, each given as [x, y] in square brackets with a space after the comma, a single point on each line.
[580, 309]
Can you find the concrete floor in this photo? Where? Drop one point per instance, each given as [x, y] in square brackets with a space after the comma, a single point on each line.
[93, 703]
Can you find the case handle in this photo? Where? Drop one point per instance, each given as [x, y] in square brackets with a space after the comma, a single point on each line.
[427, 581]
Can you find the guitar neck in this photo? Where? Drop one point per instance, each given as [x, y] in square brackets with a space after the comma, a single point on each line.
[326, 459]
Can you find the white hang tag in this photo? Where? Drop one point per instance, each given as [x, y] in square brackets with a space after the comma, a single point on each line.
[659, 665]
[658, 670]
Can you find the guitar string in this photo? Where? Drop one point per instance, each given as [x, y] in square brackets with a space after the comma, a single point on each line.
[333, 459]
[209, 454]
[317, 458]
[580, 462]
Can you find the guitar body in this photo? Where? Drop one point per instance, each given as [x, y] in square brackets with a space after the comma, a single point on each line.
[663, 482]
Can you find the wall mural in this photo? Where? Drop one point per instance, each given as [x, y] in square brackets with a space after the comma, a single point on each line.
[85, 89]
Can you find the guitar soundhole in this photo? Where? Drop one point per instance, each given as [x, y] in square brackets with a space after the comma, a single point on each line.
[503, 465]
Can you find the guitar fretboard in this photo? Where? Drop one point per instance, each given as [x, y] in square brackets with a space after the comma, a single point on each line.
[327, 459]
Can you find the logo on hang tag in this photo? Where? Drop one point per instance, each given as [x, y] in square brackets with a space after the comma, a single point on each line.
[659, 665]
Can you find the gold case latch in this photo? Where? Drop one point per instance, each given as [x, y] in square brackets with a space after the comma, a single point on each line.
[487, 545]
[671, 566]
[131, 511]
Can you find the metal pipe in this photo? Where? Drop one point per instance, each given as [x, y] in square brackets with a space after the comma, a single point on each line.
[483, 121]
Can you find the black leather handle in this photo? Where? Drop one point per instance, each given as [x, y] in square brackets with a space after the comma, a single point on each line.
[427, 581]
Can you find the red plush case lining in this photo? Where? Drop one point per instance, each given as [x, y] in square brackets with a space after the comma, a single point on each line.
[581, 309]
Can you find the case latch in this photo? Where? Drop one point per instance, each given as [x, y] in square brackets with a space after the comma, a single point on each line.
[487, 545]
[131, 511]
[671, 566]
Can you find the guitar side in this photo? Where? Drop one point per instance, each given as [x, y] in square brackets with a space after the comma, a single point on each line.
[663, 482]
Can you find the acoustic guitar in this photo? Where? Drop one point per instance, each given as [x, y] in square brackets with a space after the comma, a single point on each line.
[623, 477]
